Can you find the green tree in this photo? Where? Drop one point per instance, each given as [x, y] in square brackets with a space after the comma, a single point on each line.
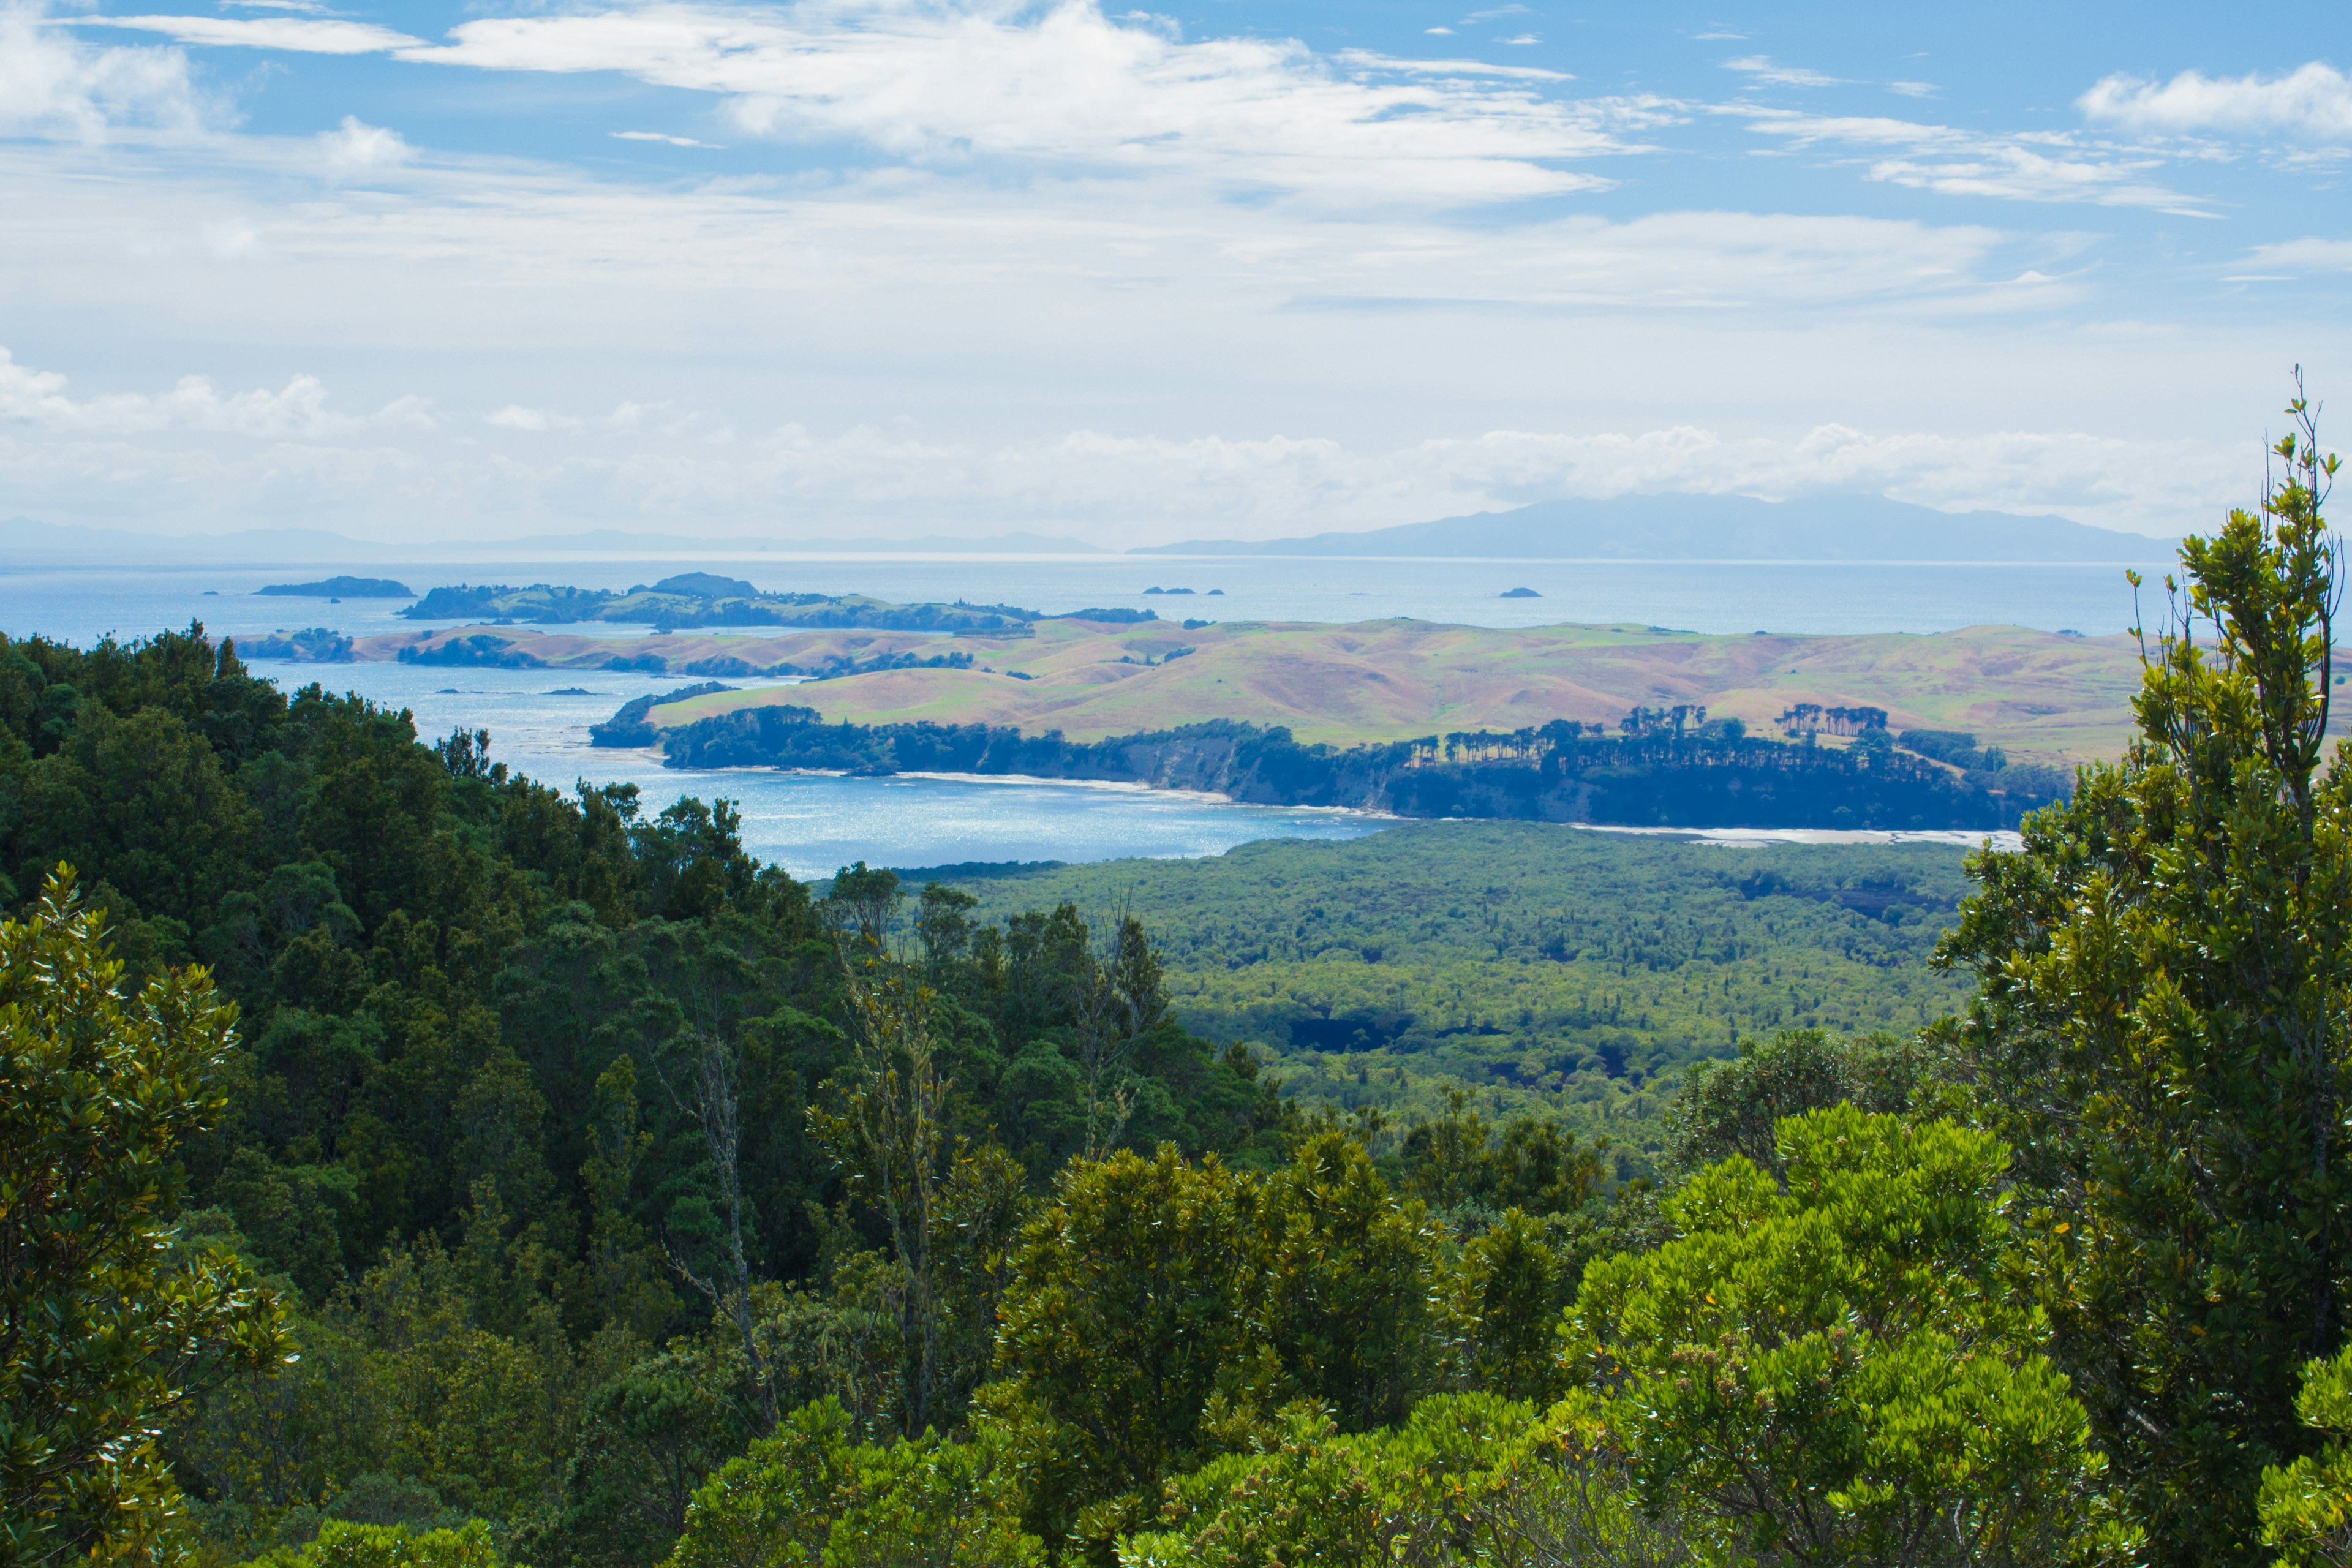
[2165, 972]
[1467, 1479]
[1835, 1372]
[1125, 1308]
[2306, 1507]
[812, 1496]
[102, 1331]
[344, 1544]
[1735, 1108]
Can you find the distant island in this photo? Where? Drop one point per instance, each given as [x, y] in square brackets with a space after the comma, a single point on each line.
[1718, 528]
[1519, 594]
[341, 588]
[693, 599]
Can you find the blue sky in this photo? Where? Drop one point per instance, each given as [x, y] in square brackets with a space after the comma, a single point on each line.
[425, 271]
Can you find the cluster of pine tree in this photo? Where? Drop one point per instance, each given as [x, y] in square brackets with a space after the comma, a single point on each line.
[418, 1169]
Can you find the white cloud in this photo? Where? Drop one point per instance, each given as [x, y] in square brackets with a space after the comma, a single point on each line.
[661, 136]
[1762, 69]
[2312, 101]
[1069, 88]
[1439, 32]
[1522, 40]
[2040, 167]
[298, 409]
[1368, 60]
[2014, 173]
[1162, 488]
[353, 148]
[293, 33]
[2298, 256]
[1913, 89]
[53, 83]
[514, 416]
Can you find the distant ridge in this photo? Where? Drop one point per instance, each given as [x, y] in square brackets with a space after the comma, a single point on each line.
[1718, 528]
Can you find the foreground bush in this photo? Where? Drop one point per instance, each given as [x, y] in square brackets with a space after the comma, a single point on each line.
[2306, 1507]
[1468, 1478]
[1837, 1374]
[814, 1497]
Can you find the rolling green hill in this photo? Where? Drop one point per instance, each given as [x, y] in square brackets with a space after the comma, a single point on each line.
[2042, 696]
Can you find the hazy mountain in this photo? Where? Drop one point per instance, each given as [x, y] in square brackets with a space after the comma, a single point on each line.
[1718, 528]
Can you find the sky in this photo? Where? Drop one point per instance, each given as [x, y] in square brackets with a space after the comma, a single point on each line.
[426, 271]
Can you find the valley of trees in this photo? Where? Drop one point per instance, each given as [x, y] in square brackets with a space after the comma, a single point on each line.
[406, 1165]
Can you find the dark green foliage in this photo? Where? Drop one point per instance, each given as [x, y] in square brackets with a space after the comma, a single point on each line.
[104, 1330]
[2165, 974]
[1550, 970]
[1734, 1107]
[469, 1124]
[1655, 774]
[630, 725]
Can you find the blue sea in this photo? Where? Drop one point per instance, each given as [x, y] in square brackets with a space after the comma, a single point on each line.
[812, 824]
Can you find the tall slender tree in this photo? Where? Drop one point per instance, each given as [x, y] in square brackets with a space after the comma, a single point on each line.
[2161, 1028]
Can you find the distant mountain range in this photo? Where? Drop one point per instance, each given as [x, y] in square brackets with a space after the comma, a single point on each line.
[1718, 528]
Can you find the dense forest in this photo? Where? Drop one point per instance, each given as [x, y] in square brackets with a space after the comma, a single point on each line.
[1654, 773]
[404, 1164]
[1546, 970]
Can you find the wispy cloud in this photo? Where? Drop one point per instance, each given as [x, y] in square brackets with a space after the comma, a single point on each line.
[1761, 69]
[662, 136]
[2295, 258]
[2312, 101]
[298, 35]
[1072, 86]
[2043, 167]
[1915, 89]
[939, 83]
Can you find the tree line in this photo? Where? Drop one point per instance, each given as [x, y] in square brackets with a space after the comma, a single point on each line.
[1670, 767]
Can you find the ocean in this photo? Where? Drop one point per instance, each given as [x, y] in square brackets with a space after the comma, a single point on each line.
[812, 824]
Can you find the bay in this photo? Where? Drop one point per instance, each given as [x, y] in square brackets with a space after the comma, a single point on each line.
[812, 824]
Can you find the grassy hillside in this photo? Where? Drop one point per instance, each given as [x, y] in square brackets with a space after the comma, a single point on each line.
[1545, 967]
[2031, 691]
[2041, 695]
